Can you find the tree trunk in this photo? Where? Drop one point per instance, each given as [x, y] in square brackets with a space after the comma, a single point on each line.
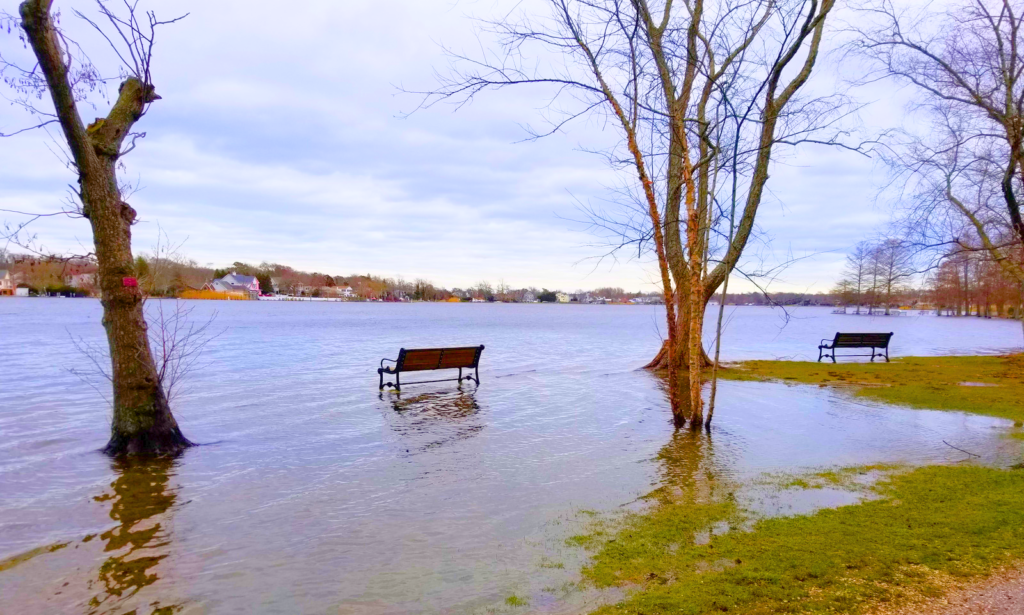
[660, 361]
[698, 304]
[142, 420]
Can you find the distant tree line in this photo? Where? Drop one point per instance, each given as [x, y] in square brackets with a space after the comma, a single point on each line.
[970, 283]
[958, 281]
[166, 273]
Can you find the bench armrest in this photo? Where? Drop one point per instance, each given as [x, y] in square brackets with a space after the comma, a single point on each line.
[388, 360]
[825, 343]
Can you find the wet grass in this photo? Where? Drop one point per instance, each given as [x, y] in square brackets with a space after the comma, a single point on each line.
[856, 478]
[992, 386]
[918, 534]
[928, 529]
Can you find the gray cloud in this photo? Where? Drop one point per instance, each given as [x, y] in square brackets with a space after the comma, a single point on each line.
[281, 136]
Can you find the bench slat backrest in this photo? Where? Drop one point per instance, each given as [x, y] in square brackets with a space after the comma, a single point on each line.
[419, 359]
[861, 340]
[458, 357]
[415, 360]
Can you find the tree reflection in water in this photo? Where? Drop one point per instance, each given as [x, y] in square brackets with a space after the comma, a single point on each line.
[435, 419]
[139, 500]
[697, 478]
[688, 462]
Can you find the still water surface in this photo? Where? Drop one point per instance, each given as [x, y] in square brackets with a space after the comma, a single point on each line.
[314, 493]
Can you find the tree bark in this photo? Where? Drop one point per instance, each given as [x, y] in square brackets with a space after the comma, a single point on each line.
[142, 421]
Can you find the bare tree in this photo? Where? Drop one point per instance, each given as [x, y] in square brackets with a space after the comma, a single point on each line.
[894, 266]
[965, 167]
[178, 340]
[142, 420]
[856, 272]
[672, 78]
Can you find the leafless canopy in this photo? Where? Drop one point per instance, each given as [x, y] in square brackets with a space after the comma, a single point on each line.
[700, 92]
[584, 54]
[130, 34]
[962, 168]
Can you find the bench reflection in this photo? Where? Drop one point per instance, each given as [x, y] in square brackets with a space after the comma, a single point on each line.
[435, 419]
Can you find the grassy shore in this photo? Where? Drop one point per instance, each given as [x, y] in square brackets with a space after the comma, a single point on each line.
[919, 533]
[993, 386]
[931, 529]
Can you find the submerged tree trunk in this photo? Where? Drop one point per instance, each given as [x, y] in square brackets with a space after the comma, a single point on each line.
[142, 420]
[696, 320]
[661, 360]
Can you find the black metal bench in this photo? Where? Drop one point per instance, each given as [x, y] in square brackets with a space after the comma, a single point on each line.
[424, 359]
[873, 341]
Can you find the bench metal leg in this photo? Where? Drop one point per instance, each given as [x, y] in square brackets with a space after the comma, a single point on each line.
[397, 385]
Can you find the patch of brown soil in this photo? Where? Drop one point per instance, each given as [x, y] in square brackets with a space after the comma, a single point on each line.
[1000, 594]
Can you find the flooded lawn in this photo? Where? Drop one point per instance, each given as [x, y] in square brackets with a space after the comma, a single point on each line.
[314, 493]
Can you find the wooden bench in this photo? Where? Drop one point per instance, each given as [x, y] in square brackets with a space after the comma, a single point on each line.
[856, 340]
[424, 359]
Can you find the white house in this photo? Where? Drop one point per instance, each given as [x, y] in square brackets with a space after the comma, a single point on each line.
[235, 283]
[6, 283]
[347, 292]
[562, 297]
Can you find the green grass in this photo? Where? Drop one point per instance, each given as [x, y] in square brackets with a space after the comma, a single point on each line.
[923, 531]
[849, 479]
[920, 382]
[930, 528]
[515, 600]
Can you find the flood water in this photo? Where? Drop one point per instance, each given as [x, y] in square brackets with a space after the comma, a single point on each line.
[315, 493]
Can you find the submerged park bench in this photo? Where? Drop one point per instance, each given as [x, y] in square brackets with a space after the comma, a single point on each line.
[856, 340]
[425, 359]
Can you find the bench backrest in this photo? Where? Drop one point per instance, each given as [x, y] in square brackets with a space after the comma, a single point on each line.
[418, 359]
[861, 340]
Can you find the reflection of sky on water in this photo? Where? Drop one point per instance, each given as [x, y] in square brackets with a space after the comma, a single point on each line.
[320, 494]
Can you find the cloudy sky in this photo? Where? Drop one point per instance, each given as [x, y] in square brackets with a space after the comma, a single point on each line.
[282, 136]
